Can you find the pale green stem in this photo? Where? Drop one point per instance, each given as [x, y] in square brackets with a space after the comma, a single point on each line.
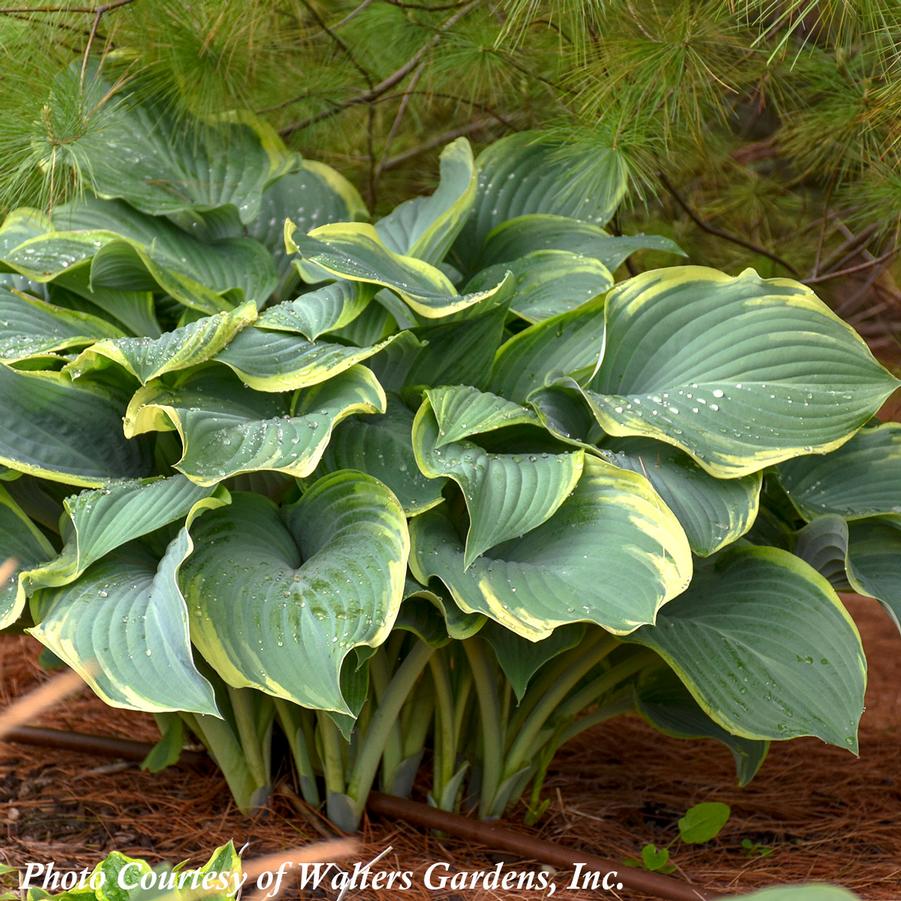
[383, 719]
[521, 748]
[485, 679]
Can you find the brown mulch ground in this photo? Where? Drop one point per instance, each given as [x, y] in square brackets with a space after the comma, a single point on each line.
[826, 815]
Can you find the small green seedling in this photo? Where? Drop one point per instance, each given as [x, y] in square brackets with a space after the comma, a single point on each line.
[754, 849]
[701, 824]
[6, 878]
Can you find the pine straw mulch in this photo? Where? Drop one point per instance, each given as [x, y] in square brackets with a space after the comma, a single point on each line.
[826, 815]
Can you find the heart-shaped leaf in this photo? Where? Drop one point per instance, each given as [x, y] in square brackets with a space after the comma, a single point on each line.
[425, 227]
[561, 344]
[22, 541]
[354, 251]
[381, 446]
[669, 707]
[325, 309]
[125, 250]
[507, 495]
[278, 361]
[29, 326]
[548, 282]
[182, 348]
[527, 173]
[539, 232]
[64, 432]
[276, 603]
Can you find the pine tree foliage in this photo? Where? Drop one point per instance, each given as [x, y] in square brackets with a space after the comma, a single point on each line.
[768, 129]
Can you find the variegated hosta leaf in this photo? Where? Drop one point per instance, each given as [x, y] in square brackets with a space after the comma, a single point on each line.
[525, 173]
[739, 372]
[863, 555]
[561, 344]
[457, 624]
[278, 361]
[548, 282]
[425, 227]
[18, 283]
[381, 446]
[523, 235]
[29, 327]
[521, 659]
[861, 478]
[823, 543]
[324, 309]
[135, 311]
[562, 411]
[226, 429]
[451, 353]
[127, 250]
[765, 647]
[182, 348]
[668, 706]
[507, 495]
[462, 411]
[64, 432]
[102, 520]
[874, 560]
[713, 512]
[314, 195]
[146, 156]
[277, 602]
[368, 326]
[354, 251]
[132, 308]
[22, 541]
[612, 554]
[124, 627]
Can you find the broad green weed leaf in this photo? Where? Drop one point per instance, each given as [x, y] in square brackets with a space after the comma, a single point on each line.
[703, 822]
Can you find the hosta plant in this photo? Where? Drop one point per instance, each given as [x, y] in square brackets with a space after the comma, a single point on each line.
[303, 483]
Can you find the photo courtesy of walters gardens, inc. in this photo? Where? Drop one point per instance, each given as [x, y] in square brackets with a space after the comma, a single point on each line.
[450, 450]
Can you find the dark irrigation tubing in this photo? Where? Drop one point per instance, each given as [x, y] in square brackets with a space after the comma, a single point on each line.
[488, 834]
[493, 836]
[92, 744]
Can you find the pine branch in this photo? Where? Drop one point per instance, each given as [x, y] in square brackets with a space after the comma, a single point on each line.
[99, 13]
[850, 270]
[720, 233]
[444, 138]
[387, 83]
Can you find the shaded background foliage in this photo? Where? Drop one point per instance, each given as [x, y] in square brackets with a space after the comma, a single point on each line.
[754, 132]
